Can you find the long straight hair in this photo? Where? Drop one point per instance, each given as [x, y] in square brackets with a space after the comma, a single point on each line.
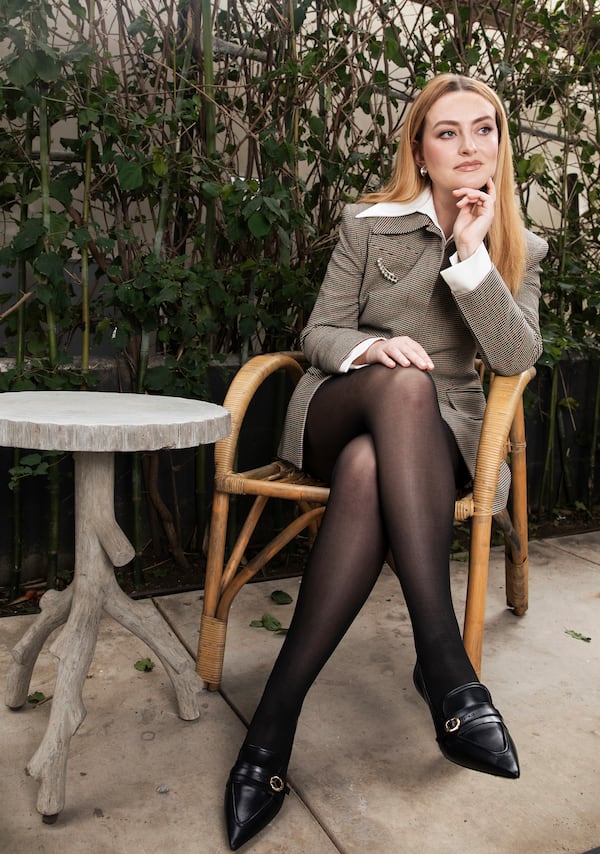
[506, 239]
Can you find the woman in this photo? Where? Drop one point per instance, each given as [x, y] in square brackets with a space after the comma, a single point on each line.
[427, 273]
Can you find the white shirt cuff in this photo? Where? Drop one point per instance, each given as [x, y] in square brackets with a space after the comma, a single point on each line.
[355, 353]
[465, 276]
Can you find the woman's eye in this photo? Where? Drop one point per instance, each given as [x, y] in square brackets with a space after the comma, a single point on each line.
[446, 134]
[485, 129]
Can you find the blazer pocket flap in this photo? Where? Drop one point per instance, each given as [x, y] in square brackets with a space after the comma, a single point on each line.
[468, 401]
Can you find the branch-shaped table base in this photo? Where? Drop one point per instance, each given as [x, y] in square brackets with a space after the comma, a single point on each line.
[93, 425]
[100, 545]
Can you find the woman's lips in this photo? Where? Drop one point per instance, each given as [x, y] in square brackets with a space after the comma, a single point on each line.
[469, 167]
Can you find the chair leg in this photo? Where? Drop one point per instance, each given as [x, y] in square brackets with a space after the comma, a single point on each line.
[517, 578]
[211, 643]
[224, 581]
[516, 555]
[479, 558]
[211, 651]
[233, 583]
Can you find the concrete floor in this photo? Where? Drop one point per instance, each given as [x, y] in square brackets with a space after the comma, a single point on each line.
[366, 773]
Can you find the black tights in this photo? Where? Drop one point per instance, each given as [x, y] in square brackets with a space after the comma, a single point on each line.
[376, 434]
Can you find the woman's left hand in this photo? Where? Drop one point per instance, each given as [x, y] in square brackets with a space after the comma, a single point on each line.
[475, 215]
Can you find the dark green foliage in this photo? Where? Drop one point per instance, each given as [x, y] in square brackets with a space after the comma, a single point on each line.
[170, 194]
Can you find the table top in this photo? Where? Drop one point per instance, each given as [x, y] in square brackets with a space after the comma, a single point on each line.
[107, 421]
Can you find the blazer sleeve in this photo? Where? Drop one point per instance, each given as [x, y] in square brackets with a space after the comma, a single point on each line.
[506, 328]
[332, 329]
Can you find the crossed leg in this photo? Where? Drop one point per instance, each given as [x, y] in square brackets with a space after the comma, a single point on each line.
[378, 436]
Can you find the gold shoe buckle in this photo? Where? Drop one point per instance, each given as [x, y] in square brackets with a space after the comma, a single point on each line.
[452, 724]
[276, 783]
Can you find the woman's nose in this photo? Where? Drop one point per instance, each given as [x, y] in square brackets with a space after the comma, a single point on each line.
[469, 144]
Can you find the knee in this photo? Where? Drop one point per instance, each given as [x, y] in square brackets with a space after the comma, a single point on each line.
[410, 388]
[412, 380]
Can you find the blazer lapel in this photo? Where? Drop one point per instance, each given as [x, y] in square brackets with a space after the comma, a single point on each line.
[403, 224]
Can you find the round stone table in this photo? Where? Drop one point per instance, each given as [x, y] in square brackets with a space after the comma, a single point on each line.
[93, 425]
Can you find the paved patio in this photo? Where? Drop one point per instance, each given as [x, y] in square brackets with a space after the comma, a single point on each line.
[366, 774]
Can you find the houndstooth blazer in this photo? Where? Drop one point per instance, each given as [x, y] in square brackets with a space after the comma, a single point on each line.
[384, 280]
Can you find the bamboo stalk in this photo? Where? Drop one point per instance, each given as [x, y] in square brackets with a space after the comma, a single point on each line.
[564, 456]
[85, 216]
[200, 495]
[136, 503]
[53, 524]
[548, 475]
[17, 498]
[594, 445]
[210, 133]
[53, 470]
[45, 192]
[17, 537]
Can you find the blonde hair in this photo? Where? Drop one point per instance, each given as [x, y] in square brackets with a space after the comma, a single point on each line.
[506, 239]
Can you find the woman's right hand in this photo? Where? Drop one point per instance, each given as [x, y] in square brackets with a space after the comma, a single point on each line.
[401, 350]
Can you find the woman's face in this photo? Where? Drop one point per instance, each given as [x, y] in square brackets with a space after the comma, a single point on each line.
[460, 142]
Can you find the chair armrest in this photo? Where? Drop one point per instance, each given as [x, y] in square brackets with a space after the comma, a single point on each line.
[505, 395]
[239, 396]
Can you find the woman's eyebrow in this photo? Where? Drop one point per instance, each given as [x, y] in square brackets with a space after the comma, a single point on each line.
[454, 123]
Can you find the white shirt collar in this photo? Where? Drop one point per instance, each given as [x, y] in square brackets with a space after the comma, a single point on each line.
[422, 204]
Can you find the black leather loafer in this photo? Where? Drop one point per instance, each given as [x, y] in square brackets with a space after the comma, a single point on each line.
[470, 730]
[254, 793]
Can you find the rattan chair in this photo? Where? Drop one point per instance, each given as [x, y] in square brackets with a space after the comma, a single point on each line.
[503, 436]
